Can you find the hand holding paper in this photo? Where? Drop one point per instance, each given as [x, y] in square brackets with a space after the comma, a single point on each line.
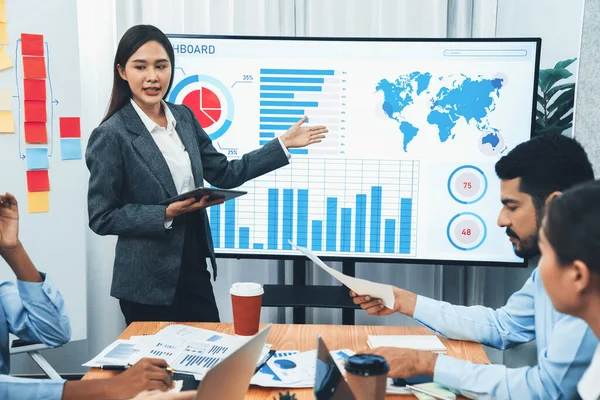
[360, 286]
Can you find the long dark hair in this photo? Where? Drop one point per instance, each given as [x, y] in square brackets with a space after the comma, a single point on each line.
[132, 40]
[572, 225]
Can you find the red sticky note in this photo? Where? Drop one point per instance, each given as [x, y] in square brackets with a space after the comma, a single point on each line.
[70, 127]
[38, 181]
[35, 111]
[35, 89]
[35, 132]
[34, 67]
[32, 45]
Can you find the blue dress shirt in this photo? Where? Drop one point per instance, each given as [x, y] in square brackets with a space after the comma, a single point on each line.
[565, 345]
[35, 312]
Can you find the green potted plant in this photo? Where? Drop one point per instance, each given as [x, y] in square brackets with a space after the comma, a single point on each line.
[555, 101]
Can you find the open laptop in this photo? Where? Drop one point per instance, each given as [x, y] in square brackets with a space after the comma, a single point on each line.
[329, 381]
[230, 378]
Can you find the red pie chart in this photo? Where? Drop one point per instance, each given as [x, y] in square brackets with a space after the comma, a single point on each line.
[205, 104]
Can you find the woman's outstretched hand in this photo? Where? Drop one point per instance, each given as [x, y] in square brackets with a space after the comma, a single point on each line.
[300, 136]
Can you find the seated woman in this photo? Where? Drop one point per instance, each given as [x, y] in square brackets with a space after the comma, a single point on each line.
[569, 241]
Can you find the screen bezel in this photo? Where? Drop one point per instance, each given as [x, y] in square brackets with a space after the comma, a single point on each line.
[222, 253]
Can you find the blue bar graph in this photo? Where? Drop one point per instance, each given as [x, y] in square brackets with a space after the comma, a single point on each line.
[298, 151]
[281, 111]
[244, 238]
[265, 95]
[390, 235]
[292, 88]
[273, 216]
[360, 233]
[215, 225]
[376, 222]
[281, 71]
[289, 103]
[293, 120]
[375, 238]
[267, 135]
[272, 79]
[317, 235]
[276, 127]
[346, 234]
[230, 224]
[263, 142]
[302, 225]
[331, 233]
[288, 218]
[405, 225]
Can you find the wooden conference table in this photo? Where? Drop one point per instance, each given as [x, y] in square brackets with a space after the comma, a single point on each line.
[304, 337]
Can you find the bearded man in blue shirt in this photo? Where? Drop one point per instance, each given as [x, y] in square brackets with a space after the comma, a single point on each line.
[530, 174]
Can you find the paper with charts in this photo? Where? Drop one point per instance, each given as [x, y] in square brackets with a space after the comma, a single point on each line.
[185, 348]
[294, 369]
[362, 287]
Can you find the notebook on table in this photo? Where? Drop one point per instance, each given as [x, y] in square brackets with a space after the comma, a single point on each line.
[416, 342]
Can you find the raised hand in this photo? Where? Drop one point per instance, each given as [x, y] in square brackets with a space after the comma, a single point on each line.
[9, 222]
[300, 136]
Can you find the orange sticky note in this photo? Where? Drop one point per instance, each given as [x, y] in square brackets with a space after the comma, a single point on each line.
[38, 202]
[5, 61]
[35, 132]
[35, 111]
[35, 89]
[2, 12]
[34, 67]
[70, 127]
[3, 33]
[7, 124]
[38, 181]
[32, 45]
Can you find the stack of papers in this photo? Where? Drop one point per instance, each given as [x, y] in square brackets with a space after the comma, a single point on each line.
[417, 342]
[185, 348]
[294, 369]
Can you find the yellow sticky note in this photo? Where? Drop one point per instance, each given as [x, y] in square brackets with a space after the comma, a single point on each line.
[5, 100]
[38, 202]
[3, 33]
[2, 12]
[5, 61]
[7, 124]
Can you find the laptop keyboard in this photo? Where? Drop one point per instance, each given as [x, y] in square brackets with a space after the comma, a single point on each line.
[189, 382]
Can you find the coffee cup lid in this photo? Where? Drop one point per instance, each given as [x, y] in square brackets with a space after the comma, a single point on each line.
[246, 289]
[366, 365]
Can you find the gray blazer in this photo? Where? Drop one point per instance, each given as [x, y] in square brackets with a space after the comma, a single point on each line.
[129, 177]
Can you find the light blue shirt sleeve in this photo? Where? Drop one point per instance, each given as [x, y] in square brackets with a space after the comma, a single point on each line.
[565, 351]
[30, 389]
[37, 313]
[502, 328]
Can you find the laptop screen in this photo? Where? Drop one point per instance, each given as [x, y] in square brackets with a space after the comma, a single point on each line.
[329, 381]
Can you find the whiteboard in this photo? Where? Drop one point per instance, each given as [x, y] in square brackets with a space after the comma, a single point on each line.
[55, 240]
[406, 172]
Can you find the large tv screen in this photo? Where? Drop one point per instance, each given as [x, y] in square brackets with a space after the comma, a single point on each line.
[406, 173]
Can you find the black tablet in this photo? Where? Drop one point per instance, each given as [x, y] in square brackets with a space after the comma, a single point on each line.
[200, 192]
